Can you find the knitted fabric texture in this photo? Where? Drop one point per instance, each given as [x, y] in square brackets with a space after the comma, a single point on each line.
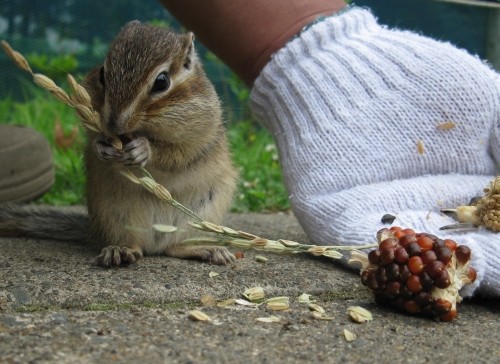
[351, 104]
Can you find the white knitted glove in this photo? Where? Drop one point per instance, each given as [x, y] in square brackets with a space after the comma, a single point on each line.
[348, 101]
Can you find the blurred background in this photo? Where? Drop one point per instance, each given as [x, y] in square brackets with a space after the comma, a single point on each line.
[69, 36]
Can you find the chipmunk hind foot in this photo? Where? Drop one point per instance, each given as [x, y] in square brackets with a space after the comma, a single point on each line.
[213, 254]
[118, 256]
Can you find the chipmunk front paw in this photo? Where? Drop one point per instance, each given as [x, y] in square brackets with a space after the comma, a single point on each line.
[116, 256]
[134, 153]
[104, 150]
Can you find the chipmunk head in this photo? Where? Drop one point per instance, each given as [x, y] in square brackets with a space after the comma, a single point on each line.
[151, 77]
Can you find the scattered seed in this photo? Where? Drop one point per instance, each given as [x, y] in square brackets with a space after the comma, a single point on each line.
[447, 125]
[321, 316]
[349, 336]
[305, 298]
[283, 299]
[243, 302]
[261, 258]
[239, 255]
[420, 147]
[359, 314]
[278, 306]
[213, 274]
[269, 319]
[316, 308]
[164, 228]
[254, 293]
[388, 219]
[197, 315]
[228, 302]
[208, 300]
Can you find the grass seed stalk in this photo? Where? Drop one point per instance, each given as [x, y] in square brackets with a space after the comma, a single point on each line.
[80, 100]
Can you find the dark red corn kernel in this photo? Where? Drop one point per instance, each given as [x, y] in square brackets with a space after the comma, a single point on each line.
[441, 306]
[415, 264]
[364, 277]
[442, 279]
[388, 243]
[381, 276]
[404, 272]
[371, 281]
[462, 253]
[412, 307]
[472, 274]
[426, 281]
[413, 284]
[449, 316]
[382, 297]
[374, 256]
[444, 254]
[387, 256]
[432, 237]
[409, 231]
[398, 234]
[434, 268]
[428, 312]
[392, 289]
[438, 243]
[401, 255]
[451, 244]
[425, 243]
[406, 240]
[428, 256]
[423, 299]
[404, 292]
[399, 304]
[413, 249]
[392, 271]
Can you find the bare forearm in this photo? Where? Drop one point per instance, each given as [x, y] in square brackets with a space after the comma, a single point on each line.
[243, 33]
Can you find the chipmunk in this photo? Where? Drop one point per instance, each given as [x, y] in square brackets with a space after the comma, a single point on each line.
[152, 94]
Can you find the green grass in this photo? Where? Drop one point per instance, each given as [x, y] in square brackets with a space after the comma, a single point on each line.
[260, 187]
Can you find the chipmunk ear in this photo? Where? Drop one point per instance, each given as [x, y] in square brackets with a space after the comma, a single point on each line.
[132, 23]
[190, 53]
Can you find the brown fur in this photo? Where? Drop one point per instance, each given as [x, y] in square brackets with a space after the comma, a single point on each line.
[179, 130]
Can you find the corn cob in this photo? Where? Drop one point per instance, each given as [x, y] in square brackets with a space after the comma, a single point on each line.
[418, 273]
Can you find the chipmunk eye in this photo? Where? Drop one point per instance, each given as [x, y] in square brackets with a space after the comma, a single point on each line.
[101, 76]
[162, 83]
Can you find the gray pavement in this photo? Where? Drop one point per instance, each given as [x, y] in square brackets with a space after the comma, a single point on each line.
[57, 306]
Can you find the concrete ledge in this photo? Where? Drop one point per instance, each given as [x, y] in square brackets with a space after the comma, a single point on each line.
[57, 306]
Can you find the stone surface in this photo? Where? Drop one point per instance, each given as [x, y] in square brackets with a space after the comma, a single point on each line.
[57, 306]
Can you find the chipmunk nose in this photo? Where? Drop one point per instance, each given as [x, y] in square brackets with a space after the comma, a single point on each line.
[115, 125]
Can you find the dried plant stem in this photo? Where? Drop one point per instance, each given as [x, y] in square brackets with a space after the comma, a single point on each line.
[81, 102]
[241, 239]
